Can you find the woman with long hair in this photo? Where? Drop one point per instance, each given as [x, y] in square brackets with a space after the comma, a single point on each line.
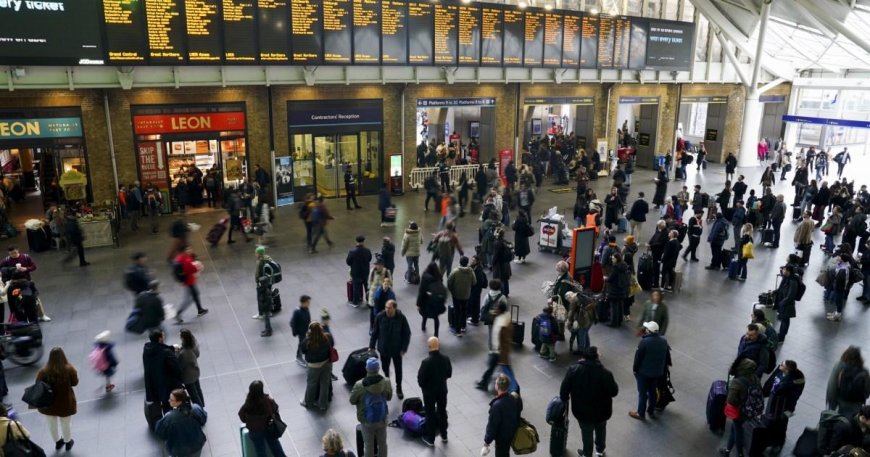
[430, 282]
[62, 377]
[188, 356]
[849, 383]
[316, 348]
[745, 239]
[258, 410]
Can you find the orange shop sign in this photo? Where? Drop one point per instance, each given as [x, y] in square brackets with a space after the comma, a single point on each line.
[184, 123]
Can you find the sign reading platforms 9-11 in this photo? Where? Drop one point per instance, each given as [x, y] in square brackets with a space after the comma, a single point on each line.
[55, 127]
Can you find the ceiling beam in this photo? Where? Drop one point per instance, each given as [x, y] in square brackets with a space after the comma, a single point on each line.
[834, 24]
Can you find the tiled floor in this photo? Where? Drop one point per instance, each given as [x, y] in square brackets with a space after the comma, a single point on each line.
[707, 318]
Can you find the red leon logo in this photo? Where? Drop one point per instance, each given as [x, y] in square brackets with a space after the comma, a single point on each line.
[548, 230]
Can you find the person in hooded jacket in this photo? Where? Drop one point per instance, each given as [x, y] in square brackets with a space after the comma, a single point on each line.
[162, 370]
[522, 232]
[391, 335]
[591, 389]
[372, 385]
[617, 290]
[783, 389]
[501, 261]
[480, 283]
[181, 427]
[743, 370]
[411, 242]
[844, 392]
[429, 293]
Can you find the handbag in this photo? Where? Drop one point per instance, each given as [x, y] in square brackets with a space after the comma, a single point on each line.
[39, 395]
[22, 447]
[633, 286]
[333, 355]
[276, 426]
[748, 251]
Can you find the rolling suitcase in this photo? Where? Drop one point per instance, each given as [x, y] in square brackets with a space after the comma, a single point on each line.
[389, 217]
[727, 255]
[217, 232]
[360, 445]
[559, 439]
[767, 236]
[451, 320]
[350, 291]
[519, 327]
[808, 444]
[276, 301]
[153, 413]
[678, 281]
[733, 269]
[596, 279]
[645, 271]
[716, 406]
[38, 240]
[602, 309]
[248, 445]
[355, 366]
[757, 435]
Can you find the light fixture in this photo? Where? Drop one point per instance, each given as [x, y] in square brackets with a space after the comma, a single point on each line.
[466, 1]
[593, 11]
[548, 6]
[522, 5]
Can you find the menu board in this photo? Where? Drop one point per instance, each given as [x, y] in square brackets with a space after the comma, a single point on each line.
[337, 31]
[124, 21]
[203, 26]
[366, 31]
[572, 23]
[670, 45]
[514, 37]
[533, 39]
[274, 30]
[306, 29]
[52, 32]
[240, 27]
[422, 36]
[589, 42]
[552, 40]
[637, 51]
[621, 41]
[394, 32]
[165, 26]
[491, 35]
[469, 35]
[446, 34]
[606, 34]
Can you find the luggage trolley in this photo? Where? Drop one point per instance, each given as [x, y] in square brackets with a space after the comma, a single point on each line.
[553, 234]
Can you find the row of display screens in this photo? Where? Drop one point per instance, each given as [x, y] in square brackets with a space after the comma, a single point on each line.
[303, 32]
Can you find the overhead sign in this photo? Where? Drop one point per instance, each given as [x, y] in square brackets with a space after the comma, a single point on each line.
[453, 102]
[55, 127]
[330, 113]
[826, 121]
[559, 100]
[184, 123]
[772, 99]
[705, 99]
[633, 100]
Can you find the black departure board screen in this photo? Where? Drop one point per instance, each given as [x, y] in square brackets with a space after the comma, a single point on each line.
[366, 31]
[469, 35]
[621, 41]
[606, 32]
[533, 39]
[166, 31]
[337, 31]
[446, 34]
[274, 30]
[240, 28]
[637, 52]
[422, 33]
[124, 21]
[203, 26]
[572, 24]
[589, 42]
[491, 35]
[306, 29]
[552, 40]
[394, 32]
[52, 32]
[670, 45]
[514, 37]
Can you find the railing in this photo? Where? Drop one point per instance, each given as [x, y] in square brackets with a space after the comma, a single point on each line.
[419, 174]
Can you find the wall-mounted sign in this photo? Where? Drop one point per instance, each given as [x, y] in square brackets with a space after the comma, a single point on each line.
[643, 139]
[536, 126]
[705, 99]
[54, 127]
[152, 167]
[772, 99]
[559, 100]
[454, 102]
[185, 123]
[632, 100]
[284, 180]
[826, 121]
[328, 113]
[711, 135]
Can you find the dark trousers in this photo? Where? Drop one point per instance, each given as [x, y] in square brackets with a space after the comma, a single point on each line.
[806, 250]
[646, 390]
[668, 275]
[396, 359]
[431, 196]
[716, 248]
[360, 286]
[445, 182]
[235, 224]
[657, 263]
[776, 230]
[693, 247]
[491, 363]
[195, 392]
[784, 324]
[209, 197]
[502, 448]
[437, 324]
[351, 196]
[600, 434]
[308, 232]
[318, 232]
[460, 311]
[264, 306]
[435, 404]
[473, 311]
[263, 439]
[79, 249]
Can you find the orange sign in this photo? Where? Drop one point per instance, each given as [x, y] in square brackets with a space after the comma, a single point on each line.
[182, 123]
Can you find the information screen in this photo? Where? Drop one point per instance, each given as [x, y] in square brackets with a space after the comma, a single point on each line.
[337, 31]
[274, 30]
[552, 40]
[469, 35]
[166, 31]
[571, 40]
[366, 31]
[491, 34]
[124, 21]
[621, 41]
[514, 37]
[606, 32]
[422, 35]
[240, 27]
[670, 45]
[446, 34]
[203, 26]
[394, 32]
[53, 32]
[637, 53]
[306, 31]
[533, 39]
[589, 42]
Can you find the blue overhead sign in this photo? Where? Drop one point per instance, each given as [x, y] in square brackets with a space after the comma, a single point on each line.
[454, 102]
[826, 121]
[333, 113]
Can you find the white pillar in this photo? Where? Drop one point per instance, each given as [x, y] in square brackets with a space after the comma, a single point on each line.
[752, 112]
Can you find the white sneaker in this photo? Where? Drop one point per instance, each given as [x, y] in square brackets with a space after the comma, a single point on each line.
[829, 316]
[837, 317]
[45, 318]
[257, 316]
[600, 454]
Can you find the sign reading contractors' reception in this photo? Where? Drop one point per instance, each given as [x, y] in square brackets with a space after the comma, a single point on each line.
[55, 127]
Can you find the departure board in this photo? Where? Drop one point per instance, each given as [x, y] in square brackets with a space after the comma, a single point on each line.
[394, 32]
[670, 45]
[606, 33]
[124, 21]
[422, 35]
[50, 33]
[165, 26]
[589, 42]
[491, 35]
[514, 37]
[240, 28]
[337, 31]
[446, 34]
[572, 24]
[274, 31]
[552, 40]
[637, 52]
[533, 39]
[366, 31]
[306, 28]
[621, 41]
[469, 35]
[203, 26]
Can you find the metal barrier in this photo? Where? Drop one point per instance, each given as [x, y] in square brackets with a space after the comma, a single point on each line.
[419, 174]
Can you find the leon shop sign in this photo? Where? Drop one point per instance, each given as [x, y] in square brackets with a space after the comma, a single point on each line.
[55, 127]
[184, 123]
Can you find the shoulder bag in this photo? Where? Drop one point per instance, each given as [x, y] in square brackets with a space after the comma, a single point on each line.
[21, 447]
[276, 426]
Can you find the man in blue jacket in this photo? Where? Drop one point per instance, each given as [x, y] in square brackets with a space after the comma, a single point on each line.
[717, 238]
[504, 418]
[650, 363]
[753, 345]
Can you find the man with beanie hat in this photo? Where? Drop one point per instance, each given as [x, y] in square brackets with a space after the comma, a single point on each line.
[651, 360]
[358, 259]
[370, 395]
[264, 291]
[432, 378]
[591, 389]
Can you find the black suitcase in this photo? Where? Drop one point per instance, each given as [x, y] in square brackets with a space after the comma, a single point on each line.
[276, 301]
[519, 327]
[767, 236]
[38, 240]
[796, 214]
[216, 233]
[645, 269]
[360, 445]
[559, 439]
[355, 366]
[602, 309]
[716, 406]
[808, 444]
[757, 436]
[451, 321]
[412, 277]
[733, 269]
[727, 255]
[153, 413]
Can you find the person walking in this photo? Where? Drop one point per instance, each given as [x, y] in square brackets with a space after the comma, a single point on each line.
[234, 206]
[299, 325]
[188, 362]
[263, 282]
[500, 333]
[75, 238]
[504, 419]
[655, 311]
[637, 215]
[849, 383]
[430, 184]
[743, 371]
[256, 413]
[388, 255]
[411, 242]
[695, 230]
[431, 297]
[842, 158]
[181, 427]
[150, 307]
[350, 188]
[358, 259]
[316, 348]
[480, 283]
[446, 245]
[186, 269]
[391, 335]
[591, 388]
[318, 218]
[62, 377]
[104, 352]
[162, 369]
[460, 283]
[432, 378]
[370, 396]
[785, 295]
[136, 277]
[651, 361]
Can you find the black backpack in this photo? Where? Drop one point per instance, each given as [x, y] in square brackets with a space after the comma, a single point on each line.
[271, 272]
[852, 384]
[178, 271]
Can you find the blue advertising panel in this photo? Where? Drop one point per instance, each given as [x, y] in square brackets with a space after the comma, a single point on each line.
[54, 127]
[329, 113]
[826, 121]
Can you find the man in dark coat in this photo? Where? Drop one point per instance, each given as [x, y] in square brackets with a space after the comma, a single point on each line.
[504, 418]
[75, 238]
[739, 189]
[391, 334]
[669, 260]
[753, 346]
[162, 371]
[637, 214]
[785, 300]
[150, 306]
[432, 378]
[591, 388]
[350, 189]
[651, 360]
[358, 259]
[717, 237]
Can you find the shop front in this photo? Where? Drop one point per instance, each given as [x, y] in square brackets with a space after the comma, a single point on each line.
[465, 125]
[37, 147]
[329, 138]
[559, 115]
[203, 145]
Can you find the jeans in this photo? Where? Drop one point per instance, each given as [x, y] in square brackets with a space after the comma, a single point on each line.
[435, 404]
[742, 270]
[374, 432]
[829, 242]
[320, 231]
[65, 424]
[582, 337]
[460, 311]
[317, 384]
[736, 436]
[396, 359]
[646, 389]
[191, 294]
[491, 363]
[600, 430]
[445, 265]
[195, 392]
[413, 264]
[263, 439]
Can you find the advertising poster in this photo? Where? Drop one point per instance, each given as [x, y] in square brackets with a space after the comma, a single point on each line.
[152, 166]
[504, 156]
[284, 180]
